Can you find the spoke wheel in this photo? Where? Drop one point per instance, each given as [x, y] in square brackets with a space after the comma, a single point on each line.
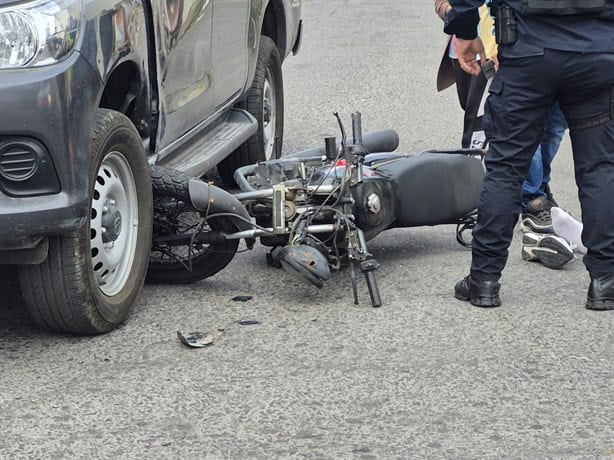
[174, 215]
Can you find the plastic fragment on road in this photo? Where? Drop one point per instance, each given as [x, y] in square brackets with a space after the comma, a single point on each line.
[195, 339]
[242, 298]
[248, 322]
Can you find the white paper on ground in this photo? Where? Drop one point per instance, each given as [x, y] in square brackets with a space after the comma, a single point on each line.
[569, 228]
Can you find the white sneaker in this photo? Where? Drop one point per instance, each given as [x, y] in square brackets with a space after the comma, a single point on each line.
[551, 250]
[567, 227]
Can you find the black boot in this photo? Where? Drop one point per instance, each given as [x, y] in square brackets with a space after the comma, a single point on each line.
[601, 292]
[480, 293]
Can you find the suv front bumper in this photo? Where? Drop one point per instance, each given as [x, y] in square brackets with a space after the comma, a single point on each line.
[54, 108]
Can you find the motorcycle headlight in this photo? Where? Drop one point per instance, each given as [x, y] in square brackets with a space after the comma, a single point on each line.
[38, 33]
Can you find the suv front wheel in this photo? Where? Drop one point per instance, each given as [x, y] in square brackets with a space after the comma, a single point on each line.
[265, 102]
[91, 278]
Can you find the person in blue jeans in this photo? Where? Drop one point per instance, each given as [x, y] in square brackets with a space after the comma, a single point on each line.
[539, 243]
[537, 198]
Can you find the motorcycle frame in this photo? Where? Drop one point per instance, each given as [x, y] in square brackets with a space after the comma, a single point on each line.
[354, 155]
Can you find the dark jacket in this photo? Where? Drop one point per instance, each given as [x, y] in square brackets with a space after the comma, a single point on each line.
[588, 33]
[445, 73]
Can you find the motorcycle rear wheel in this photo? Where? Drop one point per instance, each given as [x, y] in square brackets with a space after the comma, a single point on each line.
[175, 215]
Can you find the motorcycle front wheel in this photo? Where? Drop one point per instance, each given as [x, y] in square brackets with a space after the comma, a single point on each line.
[174, 215]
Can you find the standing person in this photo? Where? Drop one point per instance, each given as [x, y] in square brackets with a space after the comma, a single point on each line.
[469, 88]
[549, 51]
[537, 198]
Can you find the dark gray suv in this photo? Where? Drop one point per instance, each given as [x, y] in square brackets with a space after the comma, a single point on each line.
[94, 92]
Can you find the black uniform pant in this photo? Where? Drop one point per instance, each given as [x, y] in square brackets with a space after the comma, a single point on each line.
[520, 96]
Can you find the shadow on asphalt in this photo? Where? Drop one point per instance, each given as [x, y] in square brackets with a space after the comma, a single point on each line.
[17, 329]
[392, 246]
[14, 319]
[414, 243]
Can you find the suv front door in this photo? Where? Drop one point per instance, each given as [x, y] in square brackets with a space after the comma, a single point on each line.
[185, 79]
[230, 31]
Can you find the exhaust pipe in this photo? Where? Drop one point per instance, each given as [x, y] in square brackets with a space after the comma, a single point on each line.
[213, 200]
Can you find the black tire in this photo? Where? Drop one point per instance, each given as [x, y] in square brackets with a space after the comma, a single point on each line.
[268, 68]
[81, 288]
[174, 214]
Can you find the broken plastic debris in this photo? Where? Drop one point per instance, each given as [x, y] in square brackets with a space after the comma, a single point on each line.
[248, 322]
[195, 339]
[242, 298]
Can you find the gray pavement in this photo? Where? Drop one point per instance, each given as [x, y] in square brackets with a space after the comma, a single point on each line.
[425, 376]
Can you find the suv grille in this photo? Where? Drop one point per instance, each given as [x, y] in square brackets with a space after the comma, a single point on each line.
[19, 160]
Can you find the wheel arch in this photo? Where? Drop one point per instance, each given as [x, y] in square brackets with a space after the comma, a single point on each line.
[274, 25]
[118, 44]
[268, 19]
[126, 91]
[120, 89]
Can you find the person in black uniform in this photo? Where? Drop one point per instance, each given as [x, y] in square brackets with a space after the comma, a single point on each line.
[549, 50]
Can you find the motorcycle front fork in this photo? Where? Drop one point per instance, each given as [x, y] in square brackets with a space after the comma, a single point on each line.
[359, 255]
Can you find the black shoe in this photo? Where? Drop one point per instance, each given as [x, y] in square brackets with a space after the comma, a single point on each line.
[601, 292]
[536, 218]
[550, 196]
[479, 293]
[551, 250]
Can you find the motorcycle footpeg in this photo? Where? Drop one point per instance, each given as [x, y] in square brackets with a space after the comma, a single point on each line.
[272, 259]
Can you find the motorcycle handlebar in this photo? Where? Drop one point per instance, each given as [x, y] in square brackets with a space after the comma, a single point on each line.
[376, 300]
[240, 177]
[384, 140]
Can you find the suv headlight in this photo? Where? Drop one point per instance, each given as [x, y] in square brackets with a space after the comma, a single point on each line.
[38, 33]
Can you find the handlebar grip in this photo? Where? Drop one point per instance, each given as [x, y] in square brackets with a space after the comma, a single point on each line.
[357, 128]
[376, 300]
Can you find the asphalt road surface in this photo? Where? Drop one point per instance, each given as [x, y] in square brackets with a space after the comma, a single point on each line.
[425, 376]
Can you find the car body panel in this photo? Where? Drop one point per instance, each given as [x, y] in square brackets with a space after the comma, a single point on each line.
[175, 98]
[229, 44]
[184, 66]
[53, 105]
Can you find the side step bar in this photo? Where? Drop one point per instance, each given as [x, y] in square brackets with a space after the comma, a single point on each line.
[206, 151]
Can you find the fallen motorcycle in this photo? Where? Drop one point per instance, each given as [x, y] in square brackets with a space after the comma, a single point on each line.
[316, 209]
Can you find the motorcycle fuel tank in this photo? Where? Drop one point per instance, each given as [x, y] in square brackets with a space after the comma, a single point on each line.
[374, 204]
